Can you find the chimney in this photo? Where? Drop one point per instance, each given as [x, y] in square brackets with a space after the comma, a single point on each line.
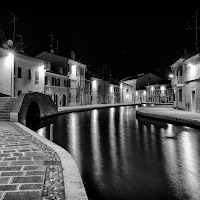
[72, 55]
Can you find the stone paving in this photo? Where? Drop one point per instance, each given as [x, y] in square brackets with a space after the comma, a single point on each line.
[28, 169]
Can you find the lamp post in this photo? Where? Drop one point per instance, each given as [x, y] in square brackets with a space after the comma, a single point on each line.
[11, 58]
[197, 27]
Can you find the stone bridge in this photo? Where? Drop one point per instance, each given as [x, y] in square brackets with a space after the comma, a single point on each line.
[32, 105]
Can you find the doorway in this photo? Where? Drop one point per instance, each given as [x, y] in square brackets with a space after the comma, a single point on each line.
[193, 101]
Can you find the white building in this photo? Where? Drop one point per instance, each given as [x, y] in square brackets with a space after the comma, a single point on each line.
[20, 73]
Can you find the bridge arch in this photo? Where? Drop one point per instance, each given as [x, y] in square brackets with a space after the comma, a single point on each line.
[32, 105]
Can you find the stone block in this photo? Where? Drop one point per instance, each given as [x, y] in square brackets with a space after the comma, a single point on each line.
[11, 158]
[23, 162]
[13, 168]
[23, 195]
[34, 167]
[4, 163]
[4, 180]
[5, 155]
[28, 179]
[31, 173]
[25, 158]
[8, 187]
[12, 173]
[17, 154]
[31, 187]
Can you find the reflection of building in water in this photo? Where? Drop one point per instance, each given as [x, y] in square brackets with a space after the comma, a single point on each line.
[189, 165]
[51, 131]
[95, 142]
[112, 138]
[74, 138]
[182, 164]
[46, 132]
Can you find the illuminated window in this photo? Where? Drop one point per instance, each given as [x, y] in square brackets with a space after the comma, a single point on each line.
[73, 69]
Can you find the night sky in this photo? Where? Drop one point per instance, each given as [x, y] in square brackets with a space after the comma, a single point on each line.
[128, 42]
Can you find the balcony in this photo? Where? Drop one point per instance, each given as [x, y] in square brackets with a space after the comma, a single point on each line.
[177, 81]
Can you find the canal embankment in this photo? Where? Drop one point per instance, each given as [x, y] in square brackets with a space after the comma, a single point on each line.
[67, 170]
[170, 114]
[68, 109]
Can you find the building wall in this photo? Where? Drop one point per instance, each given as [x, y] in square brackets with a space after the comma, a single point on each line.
[24, 84]
[60, 90]
[87, 92]
[146, 79]
[140, 96]
[127, 93]
[77, 77]
[189, 87]
[6, 63]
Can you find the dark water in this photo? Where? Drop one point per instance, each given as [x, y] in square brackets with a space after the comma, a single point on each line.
[124, 157]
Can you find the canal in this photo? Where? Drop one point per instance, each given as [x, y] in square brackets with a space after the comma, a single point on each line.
[122, 156]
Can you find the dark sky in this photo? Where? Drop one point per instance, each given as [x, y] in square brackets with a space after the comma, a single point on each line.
[128, 42]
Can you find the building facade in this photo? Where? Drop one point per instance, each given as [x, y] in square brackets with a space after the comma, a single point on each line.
[21, 73]
[99, 91]
[67, 80]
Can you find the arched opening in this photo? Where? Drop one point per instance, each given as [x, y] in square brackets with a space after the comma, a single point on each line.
[33, 112]
[64, 100]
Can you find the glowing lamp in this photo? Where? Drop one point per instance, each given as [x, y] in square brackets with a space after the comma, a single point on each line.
[190, 65]
[162, 87]
[74, 69]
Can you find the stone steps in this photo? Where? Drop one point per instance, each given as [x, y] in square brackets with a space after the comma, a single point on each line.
[6, 106]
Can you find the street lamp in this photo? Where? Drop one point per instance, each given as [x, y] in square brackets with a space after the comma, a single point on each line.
[196, 27]
[171, 76]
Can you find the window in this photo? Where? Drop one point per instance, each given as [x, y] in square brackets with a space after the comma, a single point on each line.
[68, 83]
[19, 72]
[65, 83]
[81, 71]
[19, 92]
[52, 81]
[58, 82]
[126, 90]
[36, 77]
[55, 82]
[29, 74]
[180, 94]
[46, 80]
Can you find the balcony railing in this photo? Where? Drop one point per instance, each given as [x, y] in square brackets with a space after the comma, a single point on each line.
[177, 81]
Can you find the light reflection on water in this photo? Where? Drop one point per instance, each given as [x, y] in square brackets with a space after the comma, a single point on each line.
[122, 157]
[95, 146]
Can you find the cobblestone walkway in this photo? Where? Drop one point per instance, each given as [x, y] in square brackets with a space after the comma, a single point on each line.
[24, 172]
